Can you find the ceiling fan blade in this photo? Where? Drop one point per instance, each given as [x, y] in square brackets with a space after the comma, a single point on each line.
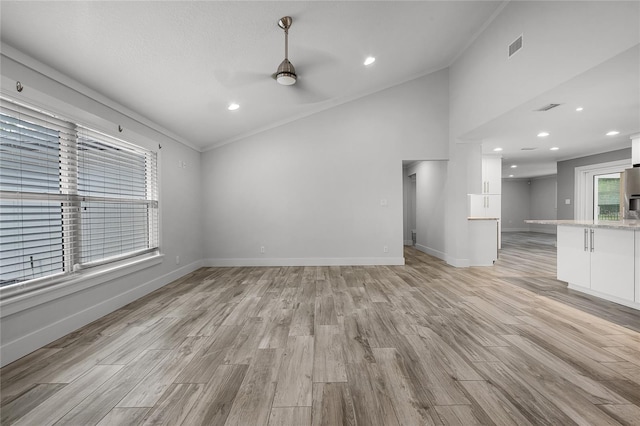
[235, 79]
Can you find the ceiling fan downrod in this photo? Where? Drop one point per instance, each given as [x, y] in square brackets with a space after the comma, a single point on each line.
[286, 73]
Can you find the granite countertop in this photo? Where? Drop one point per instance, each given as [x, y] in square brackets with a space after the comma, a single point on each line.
[481, 218]
[611, 224]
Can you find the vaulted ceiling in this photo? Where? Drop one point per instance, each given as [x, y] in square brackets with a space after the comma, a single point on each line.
[181, 63]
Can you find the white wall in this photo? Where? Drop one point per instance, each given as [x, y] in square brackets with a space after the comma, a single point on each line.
[23, 331]
[524, 199]
[430, 205]
[543, 202]
[516, 205]
[310, 191]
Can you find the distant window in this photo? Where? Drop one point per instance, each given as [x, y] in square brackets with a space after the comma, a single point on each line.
[70, 197]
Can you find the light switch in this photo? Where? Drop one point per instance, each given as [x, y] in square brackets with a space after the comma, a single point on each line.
[383, 202]
[567, 201]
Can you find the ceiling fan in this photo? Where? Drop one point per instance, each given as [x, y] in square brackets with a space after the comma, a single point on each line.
[286, 73]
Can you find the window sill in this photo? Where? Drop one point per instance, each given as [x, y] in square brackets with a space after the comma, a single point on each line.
[20, 298]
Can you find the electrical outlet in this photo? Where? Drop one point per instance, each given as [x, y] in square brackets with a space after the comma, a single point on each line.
[177, 260]
[385, 249]
[262, 249]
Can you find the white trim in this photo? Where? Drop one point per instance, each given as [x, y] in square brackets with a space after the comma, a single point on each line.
[18, 298]
[604, 296]
[430, 251]
[11, 351]
[583, 185]
[458, 263]
[305, 261]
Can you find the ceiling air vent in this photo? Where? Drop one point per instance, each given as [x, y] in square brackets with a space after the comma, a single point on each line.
[528, 149]
[515, 46]
[547, 107]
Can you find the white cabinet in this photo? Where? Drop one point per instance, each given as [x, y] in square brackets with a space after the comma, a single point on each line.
[599, 259]
[485, 205]
[483, 246]
[574, 257]
[491, 175]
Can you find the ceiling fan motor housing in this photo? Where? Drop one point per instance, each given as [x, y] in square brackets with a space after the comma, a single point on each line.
[286, 74]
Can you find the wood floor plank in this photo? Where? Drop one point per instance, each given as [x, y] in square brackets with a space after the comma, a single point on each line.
[295, 374]
[287, 416]
[254, 400]
[204, 363]
[214, 403]
[371, 401]
[458, 415]
[421, 343]
[328, 362]
[55, 407]
[151, 388]
[174, 406]
[410, 401]
[17, 407]
[495, 404]
[124, 417]
[97, 404]
[332, 405]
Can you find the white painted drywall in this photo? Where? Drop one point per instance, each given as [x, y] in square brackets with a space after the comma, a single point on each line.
[543, 202]
[516, 205]
[430, 205]
[311, 191]
[180, 212]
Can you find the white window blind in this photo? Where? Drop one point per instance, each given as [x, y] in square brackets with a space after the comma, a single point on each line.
[71, 197]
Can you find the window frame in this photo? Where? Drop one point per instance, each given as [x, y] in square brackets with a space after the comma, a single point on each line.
[28, 293]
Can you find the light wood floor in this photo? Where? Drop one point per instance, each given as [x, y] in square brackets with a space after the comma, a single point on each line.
[419, 344]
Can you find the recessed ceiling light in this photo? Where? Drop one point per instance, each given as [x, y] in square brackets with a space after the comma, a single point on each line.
[613, 133]
[554, 148]
[543, 134]
[233, 107]
[513, 166]
[497, 149]
[369, 60]
[579, 109]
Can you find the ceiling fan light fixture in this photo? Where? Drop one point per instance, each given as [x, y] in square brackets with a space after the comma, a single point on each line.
[286, 74]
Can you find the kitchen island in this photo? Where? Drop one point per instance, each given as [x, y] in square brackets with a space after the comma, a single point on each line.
[601, 258]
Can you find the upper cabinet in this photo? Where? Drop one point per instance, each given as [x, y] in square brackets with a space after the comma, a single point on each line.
[491, 174]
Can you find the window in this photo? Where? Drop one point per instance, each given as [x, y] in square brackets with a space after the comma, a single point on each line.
[606, 196]
[595, 190]
[71, 197]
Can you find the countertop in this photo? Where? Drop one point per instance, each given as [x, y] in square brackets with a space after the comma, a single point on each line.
[611, 224]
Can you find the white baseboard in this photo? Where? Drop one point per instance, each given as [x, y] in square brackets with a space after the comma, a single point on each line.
[26, 344]
[516, 229]
[458, 263]
[604, 296]
[304, 261]
[431, 251]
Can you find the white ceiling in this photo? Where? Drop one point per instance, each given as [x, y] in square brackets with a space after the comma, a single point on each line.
[610, 96]
[180, 63]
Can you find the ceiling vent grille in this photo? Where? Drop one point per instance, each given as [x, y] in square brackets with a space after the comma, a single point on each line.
[515, 46]
[528, 149]
[547, 107]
